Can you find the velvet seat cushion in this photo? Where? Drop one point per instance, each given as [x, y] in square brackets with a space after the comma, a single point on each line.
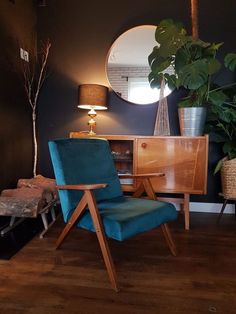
[125, 217]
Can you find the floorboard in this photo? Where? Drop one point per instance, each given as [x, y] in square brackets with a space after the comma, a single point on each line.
[201, 279]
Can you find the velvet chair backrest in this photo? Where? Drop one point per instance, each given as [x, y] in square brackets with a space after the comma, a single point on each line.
[83, 161]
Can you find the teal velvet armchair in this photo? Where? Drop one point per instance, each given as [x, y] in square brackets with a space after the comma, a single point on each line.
[91, 197]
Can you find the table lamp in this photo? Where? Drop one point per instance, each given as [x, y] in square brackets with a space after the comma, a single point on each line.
[92, 97]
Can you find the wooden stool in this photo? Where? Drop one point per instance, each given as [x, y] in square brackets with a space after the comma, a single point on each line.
[224, 204]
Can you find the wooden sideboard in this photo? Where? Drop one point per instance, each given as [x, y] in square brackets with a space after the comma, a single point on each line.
[184, 160]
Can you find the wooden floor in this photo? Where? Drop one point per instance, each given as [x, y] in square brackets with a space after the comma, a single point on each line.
[201, 279]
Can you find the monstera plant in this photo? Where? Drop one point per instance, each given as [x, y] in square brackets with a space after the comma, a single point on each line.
[195, 65]
[221, 125]
[193, 62]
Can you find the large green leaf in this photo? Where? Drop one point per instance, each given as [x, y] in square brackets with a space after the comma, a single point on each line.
[200, 95]
[155, 80]
[182, 58]
[213, 66]
[169, 29]
[171, 36]
[218, 166]
[160, 64]
[195, 98]
[186, 102]
[230, 61]
[217, 97]
[196, 50]
[194, 75]
[232, 114]
[228, 116]
[171, 80]
[151, 77]
[229, 147]
[153, 55]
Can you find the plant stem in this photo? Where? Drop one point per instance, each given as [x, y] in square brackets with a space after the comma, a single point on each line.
[230, 104]
[222, 87]
[208, 87]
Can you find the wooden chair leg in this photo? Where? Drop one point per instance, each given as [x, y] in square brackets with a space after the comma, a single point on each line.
[169, 240]
[102, 239]
[78, 211]
[139, 191]
[147, 185]
[149, 189]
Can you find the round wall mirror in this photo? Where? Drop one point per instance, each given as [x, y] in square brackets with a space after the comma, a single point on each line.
[127, 66]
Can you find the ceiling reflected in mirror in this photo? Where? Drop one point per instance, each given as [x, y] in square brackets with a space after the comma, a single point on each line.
[127, 66]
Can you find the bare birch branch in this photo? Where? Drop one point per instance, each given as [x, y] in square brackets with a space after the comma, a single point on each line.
[44, 62]
[33, 82]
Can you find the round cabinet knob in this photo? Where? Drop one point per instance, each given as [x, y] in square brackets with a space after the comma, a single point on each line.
[144, 145]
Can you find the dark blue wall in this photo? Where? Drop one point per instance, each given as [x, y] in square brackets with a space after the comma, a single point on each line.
[81, 35]
[17, 28]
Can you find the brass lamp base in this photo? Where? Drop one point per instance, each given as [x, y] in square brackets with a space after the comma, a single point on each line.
[92, 123]
[91, 132]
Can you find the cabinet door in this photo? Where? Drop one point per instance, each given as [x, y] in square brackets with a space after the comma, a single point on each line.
[183, 160]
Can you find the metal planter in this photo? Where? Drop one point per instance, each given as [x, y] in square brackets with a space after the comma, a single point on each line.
[192, 121]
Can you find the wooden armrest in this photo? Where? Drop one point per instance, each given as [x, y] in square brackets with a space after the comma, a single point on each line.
[82, 187]
[142, 175]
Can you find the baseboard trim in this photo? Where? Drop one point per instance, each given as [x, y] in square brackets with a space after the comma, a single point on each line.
[211, 207]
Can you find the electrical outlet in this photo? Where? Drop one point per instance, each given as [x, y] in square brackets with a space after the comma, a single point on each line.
[24, 54]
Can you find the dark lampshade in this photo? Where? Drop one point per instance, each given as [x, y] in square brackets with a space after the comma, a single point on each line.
[92, 96]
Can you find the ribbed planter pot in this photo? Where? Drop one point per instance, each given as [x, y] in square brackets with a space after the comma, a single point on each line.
[192, 121]
[228, 178]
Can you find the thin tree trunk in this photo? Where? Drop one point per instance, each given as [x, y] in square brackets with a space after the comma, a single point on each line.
[35, 143]
[33, 81]
[194, 16]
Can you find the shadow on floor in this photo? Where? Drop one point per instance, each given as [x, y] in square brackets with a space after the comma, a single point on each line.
[15, 240]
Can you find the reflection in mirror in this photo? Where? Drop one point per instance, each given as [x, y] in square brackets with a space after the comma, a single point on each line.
[127, 66]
